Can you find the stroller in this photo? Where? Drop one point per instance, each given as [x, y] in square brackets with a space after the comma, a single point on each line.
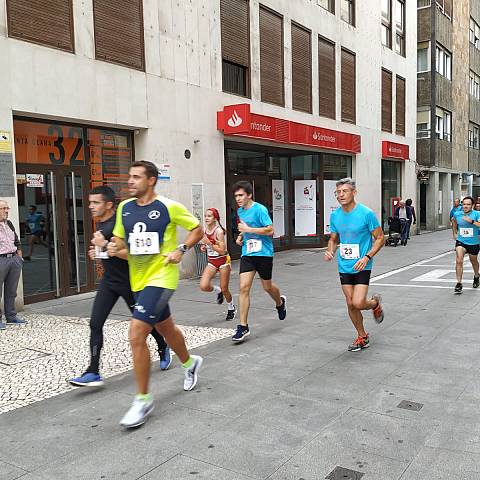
[395, 228]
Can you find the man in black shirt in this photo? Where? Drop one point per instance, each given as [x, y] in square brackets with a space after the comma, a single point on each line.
[114, 284]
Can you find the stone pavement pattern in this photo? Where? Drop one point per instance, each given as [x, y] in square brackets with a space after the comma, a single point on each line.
[290, 403]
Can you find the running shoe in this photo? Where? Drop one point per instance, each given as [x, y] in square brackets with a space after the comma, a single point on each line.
[192, 372]
[359, 343]
[378, 310]
[476, 282]
[17, 321]
[220, 298]
[241, 333]
[282, 309]
[458, 288]
[231, 314]
[88, 379]
[165, 358]
[137, 413]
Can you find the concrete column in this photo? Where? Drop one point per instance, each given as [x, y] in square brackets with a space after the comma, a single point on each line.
[255, 51]
[432, 201]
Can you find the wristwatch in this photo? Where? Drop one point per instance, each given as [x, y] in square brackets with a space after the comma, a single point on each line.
[182, 247]
[368, 256]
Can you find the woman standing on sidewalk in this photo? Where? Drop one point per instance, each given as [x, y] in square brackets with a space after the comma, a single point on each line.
[218, 261]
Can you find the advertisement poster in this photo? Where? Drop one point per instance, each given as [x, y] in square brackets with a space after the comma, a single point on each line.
[278, 202]
[35, 180]
[329, 202]
[198, 208]
[7, 184]
[305, 208]
[164, 172]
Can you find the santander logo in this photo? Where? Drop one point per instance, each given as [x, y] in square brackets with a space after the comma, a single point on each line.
[234, 121]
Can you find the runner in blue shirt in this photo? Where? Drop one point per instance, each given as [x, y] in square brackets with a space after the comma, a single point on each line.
[457, 207]
[35, 223]
[256, 231]
[358, 237]
[465, 225]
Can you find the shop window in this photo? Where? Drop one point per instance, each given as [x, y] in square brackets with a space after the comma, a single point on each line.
[235, 32]
[47, 23]
[271, 57]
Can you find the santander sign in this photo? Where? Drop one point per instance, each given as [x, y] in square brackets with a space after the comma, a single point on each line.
[235, 120]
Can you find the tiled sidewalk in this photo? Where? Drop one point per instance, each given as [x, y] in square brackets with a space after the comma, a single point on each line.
[37, 359]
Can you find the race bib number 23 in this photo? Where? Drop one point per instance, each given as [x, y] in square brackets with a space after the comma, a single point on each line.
[350, 251]
[144, 243]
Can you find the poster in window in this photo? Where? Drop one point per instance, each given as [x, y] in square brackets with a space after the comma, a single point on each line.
[305, 208]
[278, 202]
[330, 203]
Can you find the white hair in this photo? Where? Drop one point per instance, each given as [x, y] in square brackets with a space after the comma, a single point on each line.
[347, 181]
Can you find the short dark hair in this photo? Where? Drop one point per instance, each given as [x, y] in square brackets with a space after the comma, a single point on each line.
[408, 202]
[468, 197]
[243, 185]
[33, 206]
[151, 169]
[105, 191]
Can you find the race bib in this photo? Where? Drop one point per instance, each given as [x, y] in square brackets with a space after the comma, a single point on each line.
[254, 245]
[31, 226]
[350, 251]
[144, 243]
[100, 252]
[466, 232]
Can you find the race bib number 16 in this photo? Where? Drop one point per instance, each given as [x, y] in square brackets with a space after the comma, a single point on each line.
[144, 243]
[466, 232]
[253, 246]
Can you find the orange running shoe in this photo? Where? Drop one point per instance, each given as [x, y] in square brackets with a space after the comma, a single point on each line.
[378, 310]
[359, 343]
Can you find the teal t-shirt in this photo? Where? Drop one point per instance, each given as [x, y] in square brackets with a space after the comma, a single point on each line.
[354, 230]
[467, 233]
[255, 245]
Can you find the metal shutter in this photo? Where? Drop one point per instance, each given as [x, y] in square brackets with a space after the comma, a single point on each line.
[326, 77]
[301, 69]
[235, 26]
[348, 89]
[386, 101]
[45, 22]
[271, 57]
[400, 106]
[119, 32]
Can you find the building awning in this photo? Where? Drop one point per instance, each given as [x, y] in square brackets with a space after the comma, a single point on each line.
[239, 121]
[397, 151]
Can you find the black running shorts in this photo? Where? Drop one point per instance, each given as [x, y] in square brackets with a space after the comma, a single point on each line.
[262, 265]
[152, 304]
[360, 278]
[471, 249]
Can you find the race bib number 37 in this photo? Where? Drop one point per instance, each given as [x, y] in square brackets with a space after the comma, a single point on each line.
[254, 246]
[144, 243]
[350, 251]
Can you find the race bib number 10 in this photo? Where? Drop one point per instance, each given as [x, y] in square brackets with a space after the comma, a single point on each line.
[144, 243]
[350, 251]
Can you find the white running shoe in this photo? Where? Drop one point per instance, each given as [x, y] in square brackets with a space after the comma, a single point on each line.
[192, 372]
[137, 413]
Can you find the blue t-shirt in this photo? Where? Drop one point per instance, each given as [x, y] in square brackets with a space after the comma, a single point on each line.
[354, 230]
[467, 233]
[33, 222]
[454, 210]
[255, 245]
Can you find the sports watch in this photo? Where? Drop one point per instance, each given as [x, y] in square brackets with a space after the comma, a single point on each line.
[182, 247]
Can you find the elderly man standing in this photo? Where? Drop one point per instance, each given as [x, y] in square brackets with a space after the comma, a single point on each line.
[11, 262]
[404, 213]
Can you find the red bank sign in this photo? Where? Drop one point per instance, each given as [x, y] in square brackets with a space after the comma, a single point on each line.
[238, 120]
[395, 150]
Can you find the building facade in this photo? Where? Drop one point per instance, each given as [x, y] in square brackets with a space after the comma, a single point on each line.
[288, 95]
[448, 106]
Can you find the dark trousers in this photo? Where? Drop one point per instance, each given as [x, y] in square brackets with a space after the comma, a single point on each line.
[10, 270]
[107, 296]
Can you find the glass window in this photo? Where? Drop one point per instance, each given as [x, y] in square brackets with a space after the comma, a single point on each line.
[422, 130]
[423, 3]
[443, 62]
[234, 78]
[386, 4]
[422, 60]
[347, 11]
[400, 16]
[327, 4]
[475, 137]
[386, 36]
[391, 188]
[387, 23]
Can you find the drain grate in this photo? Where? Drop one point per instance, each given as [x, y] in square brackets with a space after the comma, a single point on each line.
[294, 264]
[21, 355]
[413, 406]
[341, 473]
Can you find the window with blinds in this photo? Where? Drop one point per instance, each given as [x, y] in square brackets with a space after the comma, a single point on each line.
[386, 101]
[119, 32]
[348, 87]
[326, 77]
[235, 31]
[46, 23]
[400, 106]
[301, 69]
[271, 57]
